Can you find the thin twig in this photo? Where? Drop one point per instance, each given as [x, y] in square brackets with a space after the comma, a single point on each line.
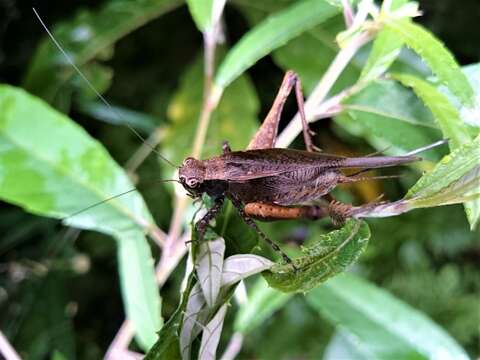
[333, 105]
[210, 101]
[7, 350]
[317, 96]
[233, 348]
[165, 268]
[347, 13]
[121, 340]
[143, 151]
[174, 247]
[126, 332]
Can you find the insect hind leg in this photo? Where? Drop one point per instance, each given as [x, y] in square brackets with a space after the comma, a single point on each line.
[267, 133]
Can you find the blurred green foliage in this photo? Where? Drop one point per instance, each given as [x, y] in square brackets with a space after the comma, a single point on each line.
[59, 288]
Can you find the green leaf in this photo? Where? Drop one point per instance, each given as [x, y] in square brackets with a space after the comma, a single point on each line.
[62, 170]
[239, 267]
[275, 31]
[345, 345]
[98, 110]
[389, 328]
[209, 266]
[85, 37]
[453, 128]
[386, 48]
[234, 119]
[196, 315]
[167, 346]
[262, 302]
[311, 53]
[441, 61]
[444, 112]
[201, 11]
[454, 178]
[387, 114]
[211, 335]
[139, 287]
[331, 254]
[471, 116]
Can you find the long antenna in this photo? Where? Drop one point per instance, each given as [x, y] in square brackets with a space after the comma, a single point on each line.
[110, 198]
[90, 85]
[428, 147]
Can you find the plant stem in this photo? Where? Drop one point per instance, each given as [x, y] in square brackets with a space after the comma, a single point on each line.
[126, 332]
[121, 340]
[174, 246]
[347, 13]
[333, 105]
[335, 69]
[233, 348]
[143, 151]
[7, 350]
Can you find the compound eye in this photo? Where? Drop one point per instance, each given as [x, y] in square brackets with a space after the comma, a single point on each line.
[188, 161]
[182, 178]
[192, 183]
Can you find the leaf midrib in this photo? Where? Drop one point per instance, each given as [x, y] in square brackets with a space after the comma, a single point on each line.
[372, 110]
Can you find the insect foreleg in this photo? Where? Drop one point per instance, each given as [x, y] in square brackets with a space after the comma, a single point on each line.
[203, 223]
[226, 147]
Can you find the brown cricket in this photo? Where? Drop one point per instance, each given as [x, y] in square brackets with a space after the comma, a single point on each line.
[264, 182]
[268, 183]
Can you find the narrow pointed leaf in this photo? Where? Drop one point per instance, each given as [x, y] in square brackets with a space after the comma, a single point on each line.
[457, 175]
[201, 11]
[139, 287]
[444, 112]
[211, 335]
[167, 346]
[452, 126]
[386, 47]
[345, 345]
[302, 55]
[196, 314]
[61, 170]
[270, 34]
[239, 267]
[389, 328]
[387, 114]
[436, 55]
[450, 169]
[331, 254]
[209, 265]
